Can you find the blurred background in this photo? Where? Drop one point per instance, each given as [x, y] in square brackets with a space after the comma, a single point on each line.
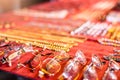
[7, 5]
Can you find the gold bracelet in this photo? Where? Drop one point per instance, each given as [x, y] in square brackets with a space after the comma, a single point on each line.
[36, 42]
[47, 37]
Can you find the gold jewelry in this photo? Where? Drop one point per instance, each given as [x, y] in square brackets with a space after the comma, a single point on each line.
[40, 43]
[47, 36]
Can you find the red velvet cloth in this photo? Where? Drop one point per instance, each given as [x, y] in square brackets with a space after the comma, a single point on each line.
[87, 47]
